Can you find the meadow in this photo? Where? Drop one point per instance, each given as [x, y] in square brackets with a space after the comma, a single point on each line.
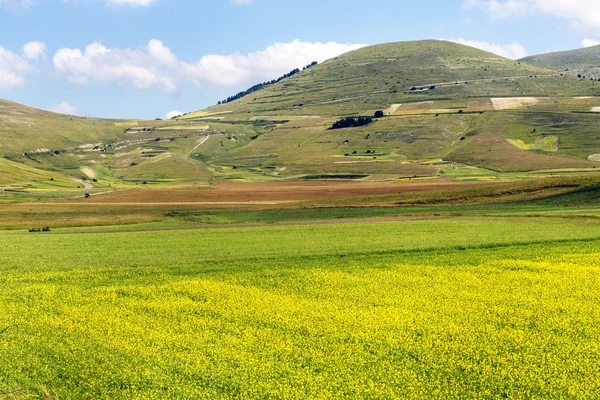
[449, 308]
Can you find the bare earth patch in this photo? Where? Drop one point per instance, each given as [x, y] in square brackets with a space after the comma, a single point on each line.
[508, 103]
[274, 192]
[392, 109]
[90, 173]
[594, 157]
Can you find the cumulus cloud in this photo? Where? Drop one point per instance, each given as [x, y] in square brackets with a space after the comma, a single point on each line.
[590, 42]
[583, 14]
[172, 114]
[514, 50]
[65, 107]
[13, 69]
[138, 68]
[156, 66]
[34, 50]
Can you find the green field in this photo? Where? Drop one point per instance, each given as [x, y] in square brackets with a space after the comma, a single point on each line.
[457, 308]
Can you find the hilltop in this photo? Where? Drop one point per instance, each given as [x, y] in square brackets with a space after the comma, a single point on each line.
[378, 76]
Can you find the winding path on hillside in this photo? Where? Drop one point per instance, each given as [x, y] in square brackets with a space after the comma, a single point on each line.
[85, 184]
[188, 156]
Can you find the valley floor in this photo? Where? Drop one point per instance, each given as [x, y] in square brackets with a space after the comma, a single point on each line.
[460, 291]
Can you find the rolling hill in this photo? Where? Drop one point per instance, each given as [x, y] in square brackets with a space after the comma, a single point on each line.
[583, 62]
[378, 76]
[450, 110]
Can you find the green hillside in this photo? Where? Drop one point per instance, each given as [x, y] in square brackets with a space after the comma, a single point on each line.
[588, 57]
[584, 61]
[25, 129]
[448, 108]
[378, 76]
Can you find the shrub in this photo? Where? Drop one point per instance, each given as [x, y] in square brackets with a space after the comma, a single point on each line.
[379, 114]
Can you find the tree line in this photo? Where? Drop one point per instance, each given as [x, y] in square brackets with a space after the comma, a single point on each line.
[352, 122]
[264, 84]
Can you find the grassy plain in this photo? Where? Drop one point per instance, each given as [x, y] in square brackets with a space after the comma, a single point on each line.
[476, 291]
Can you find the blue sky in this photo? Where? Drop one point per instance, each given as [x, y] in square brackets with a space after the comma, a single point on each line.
[145, 58]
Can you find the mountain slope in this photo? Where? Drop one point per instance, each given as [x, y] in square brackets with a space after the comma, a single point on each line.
[24, 129]
[584, 61]
[449, 108]
[378, 76]
[588, 57]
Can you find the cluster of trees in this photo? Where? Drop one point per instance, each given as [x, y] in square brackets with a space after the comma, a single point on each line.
[46, 229]
[583, 77]
[352, 122]
[262, 85]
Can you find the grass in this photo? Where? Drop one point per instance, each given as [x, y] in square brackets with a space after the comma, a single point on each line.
[424, 309]
[548, 143]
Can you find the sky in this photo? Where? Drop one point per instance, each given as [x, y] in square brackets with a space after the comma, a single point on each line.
[155, 58]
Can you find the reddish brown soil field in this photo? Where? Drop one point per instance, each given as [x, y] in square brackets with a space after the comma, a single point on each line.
[273, 192]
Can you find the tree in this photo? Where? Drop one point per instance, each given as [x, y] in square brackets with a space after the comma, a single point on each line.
[262, 85]
[379, 114]
[351, 122]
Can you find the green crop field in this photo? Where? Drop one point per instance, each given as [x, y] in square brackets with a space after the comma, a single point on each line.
[462, 308]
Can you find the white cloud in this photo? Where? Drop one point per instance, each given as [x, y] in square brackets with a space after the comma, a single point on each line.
[34, 50]
[13, 69]
[590, 42]
[139, 68]
[155, 66]
[135, 3]
[275, 60]
[514, 50]
[172, 114]
[583, 14]
[16, 4]
[65, 107]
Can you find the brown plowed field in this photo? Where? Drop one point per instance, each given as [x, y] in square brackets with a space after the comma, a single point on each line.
[272, 192]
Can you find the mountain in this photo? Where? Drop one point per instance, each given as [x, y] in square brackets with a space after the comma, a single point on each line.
[450, 110]
[588, 57]
[584, 61]
[378, 76]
